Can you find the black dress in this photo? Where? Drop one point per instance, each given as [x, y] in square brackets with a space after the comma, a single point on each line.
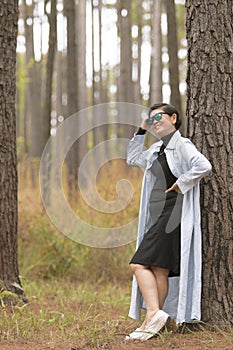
[161, 244]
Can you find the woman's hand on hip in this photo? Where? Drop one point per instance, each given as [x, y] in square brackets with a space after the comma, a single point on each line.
[174, 187]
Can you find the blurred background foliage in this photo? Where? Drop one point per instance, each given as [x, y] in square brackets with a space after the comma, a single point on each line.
[72, 55]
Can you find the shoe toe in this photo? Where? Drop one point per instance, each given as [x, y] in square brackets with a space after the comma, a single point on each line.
[134, 335]
[139, 335]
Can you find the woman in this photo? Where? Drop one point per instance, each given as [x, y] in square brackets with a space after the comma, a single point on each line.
[167, 263]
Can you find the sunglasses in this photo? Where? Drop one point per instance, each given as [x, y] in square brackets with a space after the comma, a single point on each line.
[157, 117]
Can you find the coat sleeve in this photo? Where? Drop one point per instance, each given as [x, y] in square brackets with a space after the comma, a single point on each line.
[135, 154]
[199, 167]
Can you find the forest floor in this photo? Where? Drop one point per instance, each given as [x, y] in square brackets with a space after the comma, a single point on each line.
[83, 317]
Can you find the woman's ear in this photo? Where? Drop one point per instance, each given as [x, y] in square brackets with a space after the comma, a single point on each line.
[173, 118]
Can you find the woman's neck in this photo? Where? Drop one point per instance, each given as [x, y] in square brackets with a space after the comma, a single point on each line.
[167, 137]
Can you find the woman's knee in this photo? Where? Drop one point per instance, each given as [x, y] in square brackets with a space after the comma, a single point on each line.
[136, 267]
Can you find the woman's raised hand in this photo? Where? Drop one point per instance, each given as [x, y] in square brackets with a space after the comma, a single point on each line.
[144, 125]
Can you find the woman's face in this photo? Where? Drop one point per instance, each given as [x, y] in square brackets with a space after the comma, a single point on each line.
[165, 125]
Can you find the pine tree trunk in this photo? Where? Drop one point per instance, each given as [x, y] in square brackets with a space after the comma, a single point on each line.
[156, 56]
[125, 88]
[96, 75]
[9, 272]
[46, 122]
[175, 98]
[138, 96]
[125, 93]
[81, 49]
[72, 88]
[33, 110]
[210, 126]
[100, 132]
[81, 74]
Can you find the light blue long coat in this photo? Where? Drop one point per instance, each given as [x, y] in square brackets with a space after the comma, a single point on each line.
[188, 165]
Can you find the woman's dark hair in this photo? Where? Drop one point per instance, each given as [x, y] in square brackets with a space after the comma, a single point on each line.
[168, 109]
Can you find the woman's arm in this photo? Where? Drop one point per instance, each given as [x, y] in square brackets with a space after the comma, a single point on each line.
[200, 167]
[135, 154]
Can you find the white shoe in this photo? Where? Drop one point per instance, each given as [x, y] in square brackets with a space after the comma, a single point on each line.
[138, 334]
[157, 322]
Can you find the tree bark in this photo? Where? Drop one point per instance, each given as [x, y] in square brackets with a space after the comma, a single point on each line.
[33, 110]
[210, 126]
[72, 88]
[137, 90]
[81, 49]
[69, 9]
[81, 73]
[96, 75]
[9, 272]
[175, 98]
[125, 87]
[156, 56]
[46, 122]
[33, 106]
[125, 91]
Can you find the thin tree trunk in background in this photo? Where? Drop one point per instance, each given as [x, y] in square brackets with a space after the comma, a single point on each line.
[125, 88]
[137, 98]
[69, 9]
[46, 124]
[9, 272]
[93, 52]
[33, 117]
[210, 126]
[96, 76]
[46, 115]
[81, 73]
[59, 87]
[103, 88]
[125, 91]
[100, 132]
[33, 109]
[97, 91]
[21, 130]
[156, 56]
[175, 98]
[29, 62]
[72, 91]
[81, 53]
[156, 67]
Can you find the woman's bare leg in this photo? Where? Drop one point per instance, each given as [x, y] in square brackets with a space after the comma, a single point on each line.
[148, 287]
[153, 286]
[161, 276]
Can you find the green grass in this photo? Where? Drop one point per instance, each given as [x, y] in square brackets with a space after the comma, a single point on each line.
[46, 253]
[58, 309]
[89, 315]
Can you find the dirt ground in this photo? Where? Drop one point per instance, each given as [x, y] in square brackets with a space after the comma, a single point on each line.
[184, 344]
[66, 337]
[194, 341]
[187, 338]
